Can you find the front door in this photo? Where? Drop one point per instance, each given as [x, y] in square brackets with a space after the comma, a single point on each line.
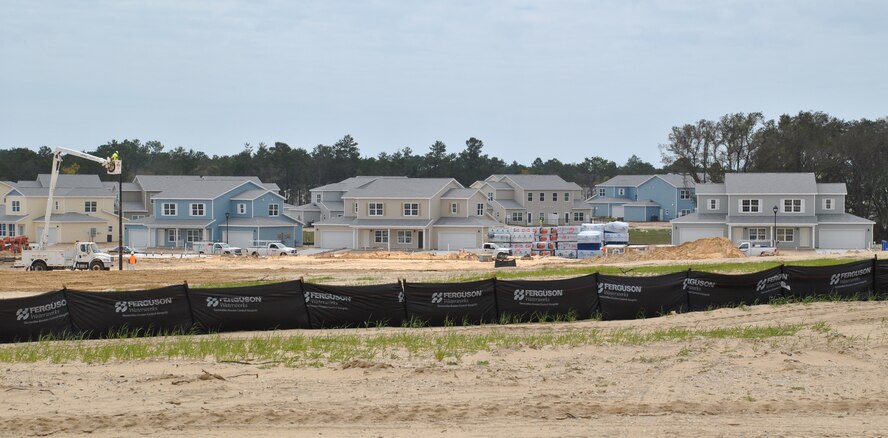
[419, 240]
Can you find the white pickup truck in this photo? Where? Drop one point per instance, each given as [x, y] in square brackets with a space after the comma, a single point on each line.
[84, 255]
[496, 251]
[271, 249]
[756, 250]
[217, 248]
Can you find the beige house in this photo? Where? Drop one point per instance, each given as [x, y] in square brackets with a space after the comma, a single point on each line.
[532, 199]
[83, 209]
[408, 214]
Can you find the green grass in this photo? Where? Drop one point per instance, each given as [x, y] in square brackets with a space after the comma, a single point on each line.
[232, 284]
[654, 236]
[315, 351]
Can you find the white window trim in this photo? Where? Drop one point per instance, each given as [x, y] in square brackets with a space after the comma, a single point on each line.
[454, 208]
[801, 205]
[685, 212]
[542, 196]
[717, 204]
[832, 204]
[404, 209]
[621, 191]
[380, 236]
[173, 211]
[15, 206]
[602, 192]
[277, 210]
[684, 194]
[194, 204]
[764, 233]
[579, 216]
[405, 237]
[479, 210]
[490, 196]
[740, 206]
[94, 204]
[554, 196]
[566, 196]
[370, 209]
[529, 196]
[171, 235]
[241, 208]
[784, 229]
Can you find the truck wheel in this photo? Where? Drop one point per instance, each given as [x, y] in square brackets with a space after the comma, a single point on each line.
[96, 266]
[501, 256]
[39, 266]
[255, 255]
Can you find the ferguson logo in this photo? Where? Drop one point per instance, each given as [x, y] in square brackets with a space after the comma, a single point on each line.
[26, 313]
[837, 278]
[212, 302]
[603, 287]
[124, 306]
[216, 301]
[120, 307]
[309, 295]
[439, 297]
[764, 283]
[22, 314]
[521, 294]
[697, 283]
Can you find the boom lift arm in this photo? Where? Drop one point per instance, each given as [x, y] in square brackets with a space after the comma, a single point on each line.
[112, 165]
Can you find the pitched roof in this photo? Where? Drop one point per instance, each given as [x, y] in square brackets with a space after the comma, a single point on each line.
[249, 195]
[677, 181]
[205, 189]
[471, 221]
[541, 182]
[279, 221]
[70, 181]
[832, 189]
[843, 218]
[159, 183]
[770, 183]
[641, 203]
[351, 183]
[460, 194]
[509, 204]
[710, 189]
[333, 205]
[607, 200]
[625, 181]
[71, 217]
[422, 188]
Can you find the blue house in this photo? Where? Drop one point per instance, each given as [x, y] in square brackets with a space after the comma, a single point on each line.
[644, 198]
[186, 209]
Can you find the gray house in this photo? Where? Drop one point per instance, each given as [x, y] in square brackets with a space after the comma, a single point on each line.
[326, 201]
[791, 209]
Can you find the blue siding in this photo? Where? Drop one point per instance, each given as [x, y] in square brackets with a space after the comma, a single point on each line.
[667, 196]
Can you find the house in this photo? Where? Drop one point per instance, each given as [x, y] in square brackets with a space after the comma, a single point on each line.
[83, 209]
[408, 214]
[792, 209]
[644, 198]
[531, 199]
[182, 209]
[326, 201]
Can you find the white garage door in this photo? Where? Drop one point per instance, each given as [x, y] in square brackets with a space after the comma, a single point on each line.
[452, 241]
[53, 235]
[691, 234]
[241, 239]
[334, 239]
[617, 211]
[842, 239]
[138, 239]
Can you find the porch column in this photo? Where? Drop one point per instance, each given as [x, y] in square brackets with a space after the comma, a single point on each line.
[389, 240]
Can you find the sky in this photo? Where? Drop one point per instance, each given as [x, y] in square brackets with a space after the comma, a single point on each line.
[558, 79]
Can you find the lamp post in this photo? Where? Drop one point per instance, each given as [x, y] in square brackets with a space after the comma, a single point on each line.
[227, 231]
[774, 233]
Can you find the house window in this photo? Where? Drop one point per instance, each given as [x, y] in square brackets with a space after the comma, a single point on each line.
[713, 204]
[241, 208]
[110, 229]
[90, 206]
[193, 235]
[381, 236]
[566, 218]
[602, 192]
[517, 216]
[2, 230]
[480, 210]
[490, 196]
[757, 233]
[621, 191]
[542, 197]
[16, 206]
[317, 197]
[405, 236]
[579, 216]
[566, 196]
[530, 196]
[168, 210]
[684, 194]
[750, 206]
[454, 208]
[356, 208]
[273, 210]
[171, 235]
[684, 212]
[828, 204]
[56, 203]
[11, 230]
[375, 209]
[555, 197]
[785, 235]
[198, 209]
[411, 209]
[792, 205]
[138, 216]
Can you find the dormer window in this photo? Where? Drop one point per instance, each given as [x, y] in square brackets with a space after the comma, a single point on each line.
[241, 208]
[621, 191]
[713, 204]
[273, 210]
[829, 204]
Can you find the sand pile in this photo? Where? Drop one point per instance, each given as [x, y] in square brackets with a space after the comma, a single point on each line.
[700, 249]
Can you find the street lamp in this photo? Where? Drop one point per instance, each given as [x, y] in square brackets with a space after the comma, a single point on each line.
[228, 231]
[774, 233]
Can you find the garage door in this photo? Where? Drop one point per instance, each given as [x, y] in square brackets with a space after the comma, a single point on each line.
[334, 239]
[691, 234]
[617, 211]
[452, 241]
[138, 239]
[241, 239]
[842, 239]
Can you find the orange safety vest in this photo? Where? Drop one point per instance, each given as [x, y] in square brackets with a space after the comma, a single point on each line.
[132, 259]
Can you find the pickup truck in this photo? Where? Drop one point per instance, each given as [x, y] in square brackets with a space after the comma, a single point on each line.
[756, 250]
[496, 251]
[271, 249]
[83, 255]
[217, 248]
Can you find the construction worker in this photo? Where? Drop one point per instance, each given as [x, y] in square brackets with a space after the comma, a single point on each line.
[114, 156]
[132, 261]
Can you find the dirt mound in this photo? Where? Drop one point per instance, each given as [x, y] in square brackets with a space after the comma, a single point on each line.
[700, 249]
[404, 255]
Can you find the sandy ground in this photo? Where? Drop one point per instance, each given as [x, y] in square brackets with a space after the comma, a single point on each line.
[827, 382]
[830, 382]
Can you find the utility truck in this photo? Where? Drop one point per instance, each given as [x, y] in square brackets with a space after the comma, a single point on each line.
[756, 250]
[85, 255]
[270, 249]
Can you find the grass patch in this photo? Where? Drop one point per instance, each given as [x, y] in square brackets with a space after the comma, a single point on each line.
[232, 284]
[653, 236]
[315, 351]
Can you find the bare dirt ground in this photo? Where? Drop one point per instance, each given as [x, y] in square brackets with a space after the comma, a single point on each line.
[831, 379]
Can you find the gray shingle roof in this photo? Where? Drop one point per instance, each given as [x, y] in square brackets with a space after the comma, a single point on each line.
[304, 207]
[710, 189]
[64, 180]
[156, 222]
[334, 205]
[700, 218]
[607, 200]
[625, 181]
[159, 183]
[770, 183]
[472, 221]
[129, 206]
[769, 219]
[410, 188]
[460, 193]
[844, 218]
[641, 203]
[280, 221]
[352, 183]
[203, 189]
[250, 195]
[71, 217]
[678, 181]
[832, 189]
[390, 223]
[541, 182]
[581, 205]
[509, 204]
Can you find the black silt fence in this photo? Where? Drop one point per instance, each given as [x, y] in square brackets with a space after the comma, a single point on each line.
[30, 318]
[706, 290]
[849, 280]
[265, 307]
[641, 297]
[156, 311]
[525, 300]
[439, 304]
[354, 306]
